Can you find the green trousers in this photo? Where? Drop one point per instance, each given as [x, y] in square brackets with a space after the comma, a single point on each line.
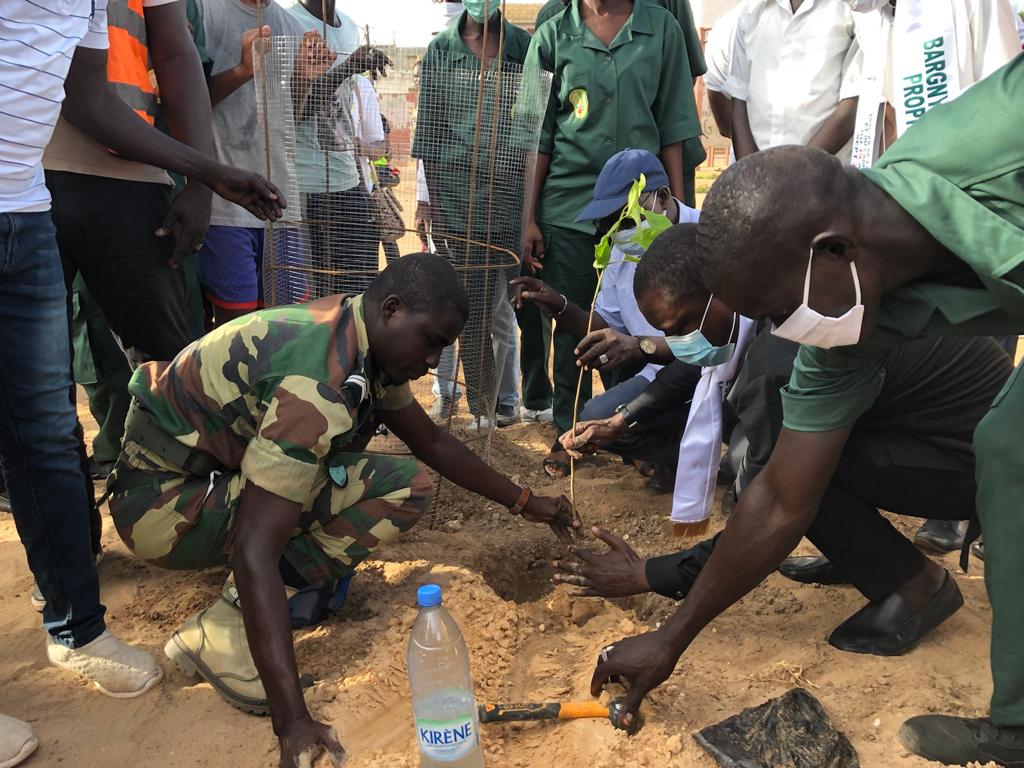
[534, 350]
[569, 269]
[1000, 474]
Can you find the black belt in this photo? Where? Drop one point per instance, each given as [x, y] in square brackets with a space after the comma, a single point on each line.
[142, 429]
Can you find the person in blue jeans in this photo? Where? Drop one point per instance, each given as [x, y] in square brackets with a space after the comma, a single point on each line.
[38, 450]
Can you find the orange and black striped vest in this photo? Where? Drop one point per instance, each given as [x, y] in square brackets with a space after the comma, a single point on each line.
[128, 58]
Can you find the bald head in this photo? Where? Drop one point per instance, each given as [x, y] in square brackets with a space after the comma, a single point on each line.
[762, 214]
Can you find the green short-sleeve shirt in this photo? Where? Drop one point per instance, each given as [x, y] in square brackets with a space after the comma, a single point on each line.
[447, 127]
[273, 394]
[634, 93]
[960, 172]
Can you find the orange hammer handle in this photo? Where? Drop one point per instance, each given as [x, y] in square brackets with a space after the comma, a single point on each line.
[571, 710]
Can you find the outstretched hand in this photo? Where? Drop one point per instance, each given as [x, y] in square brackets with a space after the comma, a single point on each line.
[540, 293]
[619, 572]
[641, 663]
[556, 512]
[251, 191]
[587, 436]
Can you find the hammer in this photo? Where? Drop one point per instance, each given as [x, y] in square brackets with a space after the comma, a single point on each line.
[568, 710]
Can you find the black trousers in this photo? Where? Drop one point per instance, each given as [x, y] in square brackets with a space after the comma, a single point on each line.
[852, 533]
[105, 231]
[345, 239]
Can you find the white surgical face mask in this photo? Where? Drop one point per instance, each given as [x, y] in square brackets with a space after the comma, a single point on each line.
[695, 349]
[810, 327]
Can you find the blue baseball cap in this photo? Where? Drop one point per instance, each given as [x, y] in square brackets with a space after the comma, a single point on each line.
[616, 179]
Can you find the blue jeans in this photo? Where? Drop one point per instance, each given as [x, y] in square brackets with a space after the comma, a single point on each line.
[37, 424]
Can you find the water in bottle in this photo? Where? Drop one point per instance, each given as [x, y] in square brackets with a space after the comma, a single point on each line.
[443, 704]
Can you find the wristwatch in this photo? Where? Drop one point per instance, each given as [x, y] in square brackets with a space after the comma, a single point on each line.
[623, 410]
[647, 346]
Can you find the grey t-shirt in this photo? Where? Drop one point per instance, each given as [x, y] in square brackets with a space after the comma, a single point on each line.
[238, 134]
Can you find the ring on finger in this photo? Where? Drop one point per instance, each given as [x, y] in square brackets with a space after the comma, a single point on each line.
[605, 650]
[603, 359]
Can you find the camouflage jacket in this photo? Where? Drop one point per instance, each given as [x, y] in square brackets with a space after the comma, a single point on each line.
[273, 393]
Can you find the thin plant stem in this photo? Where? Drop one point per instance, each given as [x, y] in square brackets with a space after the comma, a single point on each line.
[579, 387]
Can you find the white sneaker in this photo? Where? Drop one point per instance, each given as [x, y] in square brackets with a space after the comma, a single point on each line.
[481, 424]
[16, 741]
[545, 417]
[37, 599]
[115, 668]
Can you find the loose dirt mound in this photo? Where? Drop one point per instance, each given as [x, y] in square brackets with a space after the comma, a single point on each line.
[528, 642]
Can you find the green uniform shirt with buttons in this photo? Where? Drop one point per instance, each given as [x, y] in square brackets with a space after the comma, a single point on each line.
[447, 127]
[608, 98]
[960, 172]
[693, 148]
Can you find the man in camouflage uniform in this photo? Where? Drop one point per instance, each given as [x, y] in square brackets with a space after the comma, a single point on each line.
[248, 448]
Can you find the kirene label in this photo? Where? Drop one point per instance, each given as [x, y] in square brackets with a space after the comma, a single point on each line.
[446, 741]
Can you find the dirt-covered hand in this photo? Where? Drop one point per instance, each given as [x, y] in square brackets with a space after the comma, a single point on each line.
[540, 293]
[619, 572]
[607, 349]
[588, 436]
[641, 663]
[533, 247]
[556, 512]
[303, 740]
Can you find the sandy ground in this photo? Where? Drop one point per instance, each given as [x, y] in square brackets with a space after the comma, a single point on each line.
[529, 642]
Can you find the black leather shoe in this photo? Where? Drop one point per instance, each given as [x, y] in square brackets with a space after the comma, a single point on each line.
[812, 570]
[978, 549]
[941, 536]
[888, 628]
[963, 740]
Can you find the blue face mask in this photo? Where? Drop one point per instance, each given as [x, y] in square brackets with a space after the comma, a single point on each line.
[626, 240]
[695, 349]
[478, 9]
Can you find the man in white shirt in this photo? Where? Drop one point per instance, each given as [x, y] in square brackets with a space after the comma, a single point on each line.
[626, 349]
[794, 76]
[718, 47]
[39, 49]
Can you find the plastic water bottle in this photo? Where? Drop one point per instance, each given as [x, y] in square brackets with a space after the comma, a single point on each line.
[447, 727]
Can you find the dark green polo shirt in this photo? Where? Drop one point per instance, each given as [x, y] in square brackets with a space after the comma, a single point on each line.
[447, 129]
[634, 93]
[959, 171]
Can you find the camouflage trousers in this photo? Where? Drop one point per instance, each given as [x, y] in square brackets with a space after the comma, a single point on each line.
[186, 522]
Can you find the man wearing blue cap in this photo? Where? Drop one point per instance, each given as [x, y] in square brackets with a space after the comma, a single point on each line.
[621, 342]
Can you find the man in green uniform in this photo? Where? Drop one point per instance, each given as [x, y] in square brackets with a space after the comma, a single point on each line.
[929, 242]
[617, 76]
[249, 448]
[475, 168]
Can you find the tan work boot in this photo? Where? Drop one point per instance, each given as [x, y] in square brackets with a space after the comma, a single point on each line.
[212, 645]
[115, 668]
[17, 741]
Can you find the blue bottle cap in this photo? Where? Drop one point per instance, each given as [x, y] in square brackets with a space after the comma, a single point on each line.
[428, 595]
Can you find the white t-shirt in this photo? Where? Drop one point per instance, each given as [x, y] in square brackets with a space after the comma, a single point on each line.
[616, 303]
[36, 46]
[366, 120]
[793, 69]
[718, 50]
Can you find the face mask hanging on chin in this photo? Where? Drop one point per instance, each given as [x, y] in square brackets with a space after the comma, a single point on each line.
[810, 327]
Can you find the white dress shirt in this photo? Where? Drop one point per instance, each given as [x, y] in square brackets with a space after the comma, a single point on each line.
[793, 69]
[718, 50]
